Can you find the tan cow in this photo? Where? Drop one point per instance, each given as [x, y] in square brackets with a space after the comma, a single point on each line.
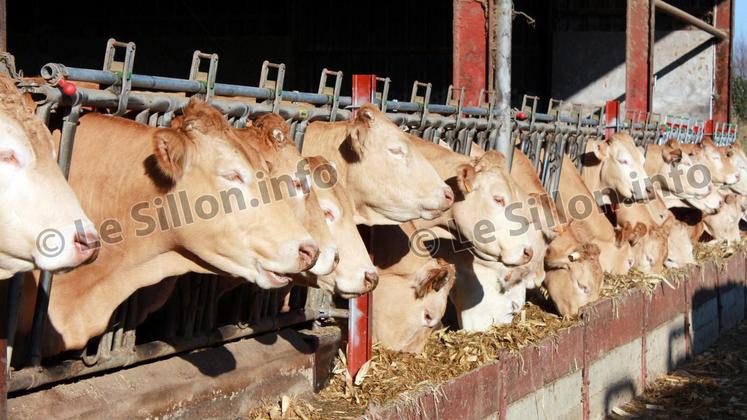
[292, 179]
[410, 301]
[573, 276]
[389, 180]
[651, 251]
[575, 202]
[724, 224]
[723, 171]
[613, 170]
[355, 273]
[680, 251]
[40, 210]
[735, 153]
[170, 201]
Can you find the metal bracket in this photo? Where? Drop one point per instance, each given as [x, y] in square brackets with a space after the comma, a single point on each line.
[424, 100]
[8, 65]
[123, 69]
[207, 79]
[274, 85]
[334, 92]
[532, 109]
[459, 103]
[383, 96]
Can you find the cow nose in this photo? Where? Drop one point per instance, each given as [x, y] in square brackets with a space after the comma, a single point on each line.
[308, 253]
[87, 244]
[528, 253]
[515, 306]
[428, 318]
[371, 278]
[448, 197]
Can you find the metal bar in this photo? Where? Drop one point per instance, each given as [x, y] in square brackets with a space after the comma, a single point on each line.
[359, 324]
[611, 118]
[14, 300]
[638, 64]
[692, 20]
[29, 378]
[470, 48]
[53, 72]
[722, 74]
[503, 75]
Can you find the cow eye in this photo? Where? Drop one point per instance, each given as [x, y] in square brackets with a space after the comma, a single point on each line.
[233, 176]
[397, 151]
[729, 154]
[499, 200]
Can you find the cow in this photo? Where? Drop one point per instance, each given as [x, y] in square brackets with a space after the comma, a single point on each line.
[38, 220]
[680, 252]
[723, 225]
[410, 301]
[718, 159]
[651, 251]
[575, 202]
[158, 201]
[735, 153]
[613, 169]
[370, 148]
[572, 273]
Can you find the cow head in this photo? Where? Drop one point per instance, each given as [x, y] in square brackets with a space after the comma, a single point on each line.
[492, 212]
[355, 274]
[38, 221]
[573, 273]
[718, 159]
[270, 135]
[622, 169]
[651, 251]
[680, 247]
[488, 297]
[390, 179]
[681, 170]
[735, 153]
[244, 230]
[417, 304]
[724, 224]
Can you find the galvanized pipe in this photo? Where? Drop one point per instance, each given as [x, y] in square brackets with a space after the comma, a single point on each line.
[503, 75]
[688, 18]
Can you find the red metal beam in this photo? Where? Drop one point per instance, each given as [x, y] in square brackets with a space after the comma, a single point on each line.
[723, 22]
[359, 321]
[611, 116]
[638, 56]
[470, 48]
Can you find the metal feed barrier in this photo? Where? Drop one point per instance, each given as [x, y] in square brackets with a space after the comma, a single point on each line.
[194, 315]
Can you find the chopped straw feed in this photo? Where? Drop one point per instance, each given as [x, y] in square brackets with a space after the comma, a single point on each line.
[448, 354]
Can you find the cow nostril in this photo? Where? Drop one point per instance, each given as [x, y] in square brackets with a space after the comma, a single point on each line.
[528, 253]
[308, 253]
[371, 278]
[449, 196]
[427, 317]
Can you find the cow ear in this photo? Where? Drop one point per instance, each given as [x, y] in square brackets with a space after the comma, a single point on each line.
[671, 155]
[638, 232]
[356, 139]
[730, 199]
[622, 233]
[170, 149]
[466, 177]
[365, 115]
[433, 280]
[600, 149]
[277, 135]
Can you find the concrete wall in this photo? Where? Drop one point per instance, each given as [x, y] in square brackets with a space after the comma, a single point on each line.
[589, 68]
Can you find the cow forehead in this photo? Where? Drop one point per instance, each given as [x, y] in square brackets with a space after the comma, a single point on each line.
[13, 135]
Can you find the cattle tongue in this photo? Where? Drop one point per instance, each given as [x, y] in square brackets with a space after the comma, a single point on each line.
[272, 277]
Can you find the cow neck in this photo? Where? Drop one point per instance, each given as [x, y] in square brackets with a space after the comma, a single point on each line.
[105, 180]
[571, 185]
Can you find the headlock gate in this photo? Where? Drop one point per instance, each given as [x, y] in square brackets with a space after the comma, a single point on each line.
[195, 315]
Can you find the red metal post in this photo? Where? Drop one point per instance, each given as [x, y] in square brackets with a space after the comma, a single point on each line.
[638, 56]
[470, 48]
[708, 128]
[724, 22]
[359, 321]
[611, 116]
